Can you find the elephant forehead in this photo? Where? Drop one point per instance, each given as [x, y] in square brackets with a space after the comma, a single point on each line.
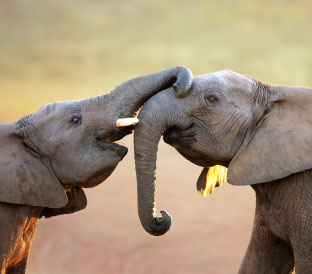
[63, 108]
[54, 111]
[60, 108]
[224, 80]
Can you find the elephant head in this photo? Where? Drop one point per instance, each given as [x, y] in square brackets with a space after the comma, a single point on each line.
[69, 145]
[259, 132]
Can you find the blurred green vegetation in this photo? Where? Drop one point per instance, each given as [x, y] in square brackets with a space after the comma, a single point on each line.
[56, 50]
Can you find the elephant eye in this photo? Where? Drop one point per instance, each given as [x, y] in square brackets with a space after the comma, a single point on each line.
[75, 120]
[212, 99]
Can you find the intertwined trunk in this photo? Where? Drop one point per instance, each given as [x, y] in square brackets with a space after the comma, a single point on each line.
[132, 94]
[157, 115]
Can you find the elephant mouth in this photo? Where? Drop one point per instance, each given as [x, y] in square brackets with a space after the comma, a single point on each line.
[184, 140]
[105, 145]
[176, 137]
[107, 141]
[116, 135]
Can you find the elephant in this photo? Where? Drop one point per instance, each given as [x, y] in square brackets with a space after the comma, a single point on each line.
[49, 156]
[262, 134]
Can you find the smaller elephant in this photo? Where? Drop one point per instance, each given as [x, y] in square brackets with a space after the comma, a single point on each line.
[49, 156]
[263, 135]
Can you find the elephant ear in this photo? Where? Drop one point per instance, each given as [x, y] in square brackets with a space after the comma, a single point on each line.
[24, 177]
[209, 178]
[282, 142]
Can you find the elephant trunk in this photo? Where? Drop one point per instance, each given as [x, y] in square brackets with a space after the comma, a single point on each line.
[131, 95]
[155, 118]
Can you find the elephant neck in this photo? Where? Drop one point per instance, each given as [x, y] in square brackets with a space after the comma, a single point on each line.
[289, 186]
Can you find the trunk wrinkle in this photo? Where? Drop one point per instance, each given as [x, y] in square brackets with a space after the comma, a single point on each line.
[155, 118]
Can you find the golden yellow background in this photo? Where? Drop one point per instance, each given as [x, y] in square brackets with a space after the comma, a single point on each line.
[57, 50]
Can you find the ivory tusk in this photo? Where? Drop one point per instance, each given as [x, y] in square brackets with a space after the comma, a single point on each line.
[125, 122]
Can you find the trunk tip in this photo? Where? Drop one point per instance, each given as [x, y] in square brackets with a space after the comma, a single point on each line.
[183, 83]
[160, 225]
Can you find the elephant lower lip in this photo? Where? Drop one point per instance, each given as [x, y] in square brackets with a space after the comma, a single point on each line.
[170, 137]
[122, 152]
[105, 140]
[179, 137]
[112, 137]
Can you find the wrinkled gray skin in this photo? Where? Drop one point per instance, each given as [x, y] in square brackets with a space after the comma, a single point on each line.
[263, 134]
[47, 157]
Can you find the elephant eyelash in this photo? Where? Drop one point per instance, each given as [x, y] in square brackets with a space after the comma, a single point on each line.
[212, 99]
[75, 119]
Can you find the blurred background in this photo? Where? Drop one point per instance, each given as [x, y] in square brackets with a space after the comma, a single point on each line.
[55, 50]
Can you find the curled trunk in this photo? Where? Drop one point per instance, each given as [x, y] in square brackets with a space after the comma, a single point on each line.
[156, 116]
[132, 94]
[125, 100]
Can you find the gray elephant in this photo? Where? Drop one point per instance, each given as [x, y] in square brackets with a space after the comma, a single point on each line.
[263, 135]
[48, 157]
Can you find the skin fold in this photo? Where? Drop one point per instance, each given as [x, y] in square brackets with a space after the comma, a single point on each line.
[262, 134]
[49, 156]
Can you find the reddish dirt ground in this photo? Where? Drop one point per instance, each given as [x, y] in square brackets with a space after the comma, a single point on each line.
[208, 235]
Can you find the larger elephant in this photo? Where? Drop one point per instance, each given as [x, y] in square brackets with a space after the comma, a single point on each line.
[263, 135]
[48, 157]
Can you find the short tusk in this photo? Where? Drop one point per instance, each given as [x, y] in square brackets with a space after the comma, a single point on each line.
[125, 122]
